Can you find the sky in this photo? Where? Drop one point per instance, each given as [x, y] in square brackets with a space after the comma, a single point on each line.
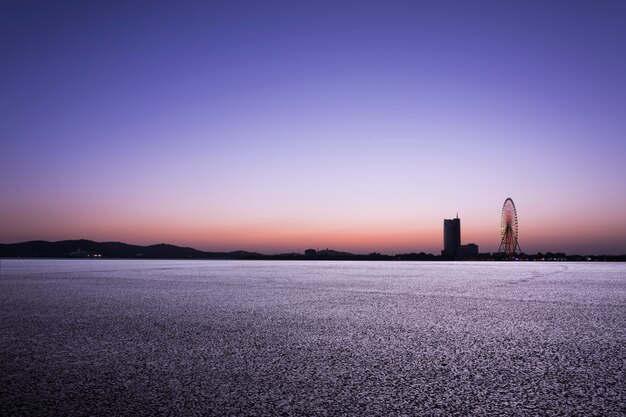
[277, 126]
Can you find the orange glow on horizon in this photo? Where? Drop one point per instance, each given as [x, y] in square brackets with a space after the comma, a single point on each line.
[272, 235]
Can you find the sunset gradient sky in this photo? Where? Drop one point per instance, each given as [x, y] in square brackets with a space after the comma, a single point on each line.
[279, 126]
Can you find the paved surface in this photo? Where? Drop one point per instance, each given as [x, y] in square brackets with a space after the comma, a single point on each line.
[281, 338]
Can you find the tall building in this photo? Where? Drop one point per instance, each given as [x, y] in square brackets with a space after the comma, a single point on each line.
[451, 236]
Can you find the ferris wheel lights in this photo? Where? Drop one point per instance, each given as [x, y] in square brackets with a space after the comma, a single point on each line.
[509, 229]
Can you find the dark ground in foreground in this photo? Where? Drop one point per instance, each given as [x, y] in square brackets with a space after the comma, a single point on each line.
[282, 338]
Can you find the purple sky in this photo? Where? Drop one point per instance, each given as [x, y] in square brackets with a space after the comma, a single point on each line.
[278, 126]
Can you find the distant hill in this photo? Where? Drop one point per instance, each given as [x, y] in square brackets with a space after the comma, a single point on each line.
[87, 248]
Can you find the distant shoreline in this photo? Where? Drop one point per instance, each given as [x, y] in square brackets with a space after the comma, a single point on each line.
[87, 249]
[269, 258]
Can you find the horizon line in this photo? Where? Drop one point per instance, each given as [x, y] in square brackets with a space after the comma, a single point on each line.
[373, 252]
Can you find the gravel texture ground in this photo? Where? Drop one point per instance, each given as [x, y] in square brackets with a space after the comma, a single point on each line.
[311, 338]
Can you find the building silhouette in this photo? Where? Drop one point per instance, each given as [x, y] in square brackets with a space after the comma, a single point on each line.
[451, 236]
[467, 251]
[452, 241]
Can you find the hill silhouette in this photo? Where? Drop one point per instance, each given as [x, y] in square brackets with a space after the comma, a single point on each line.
[117, 250]
[86, 248]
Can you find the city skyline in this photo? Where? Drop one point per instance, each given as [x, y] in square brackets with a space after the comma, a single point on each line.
[278, 127]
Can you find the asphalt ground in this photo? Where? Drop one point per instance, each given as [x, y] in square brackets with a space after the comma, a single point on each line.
[311, 338]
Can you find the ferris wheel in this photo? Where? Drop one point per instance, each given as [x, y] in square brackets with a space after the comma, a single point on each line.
[509, 229]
